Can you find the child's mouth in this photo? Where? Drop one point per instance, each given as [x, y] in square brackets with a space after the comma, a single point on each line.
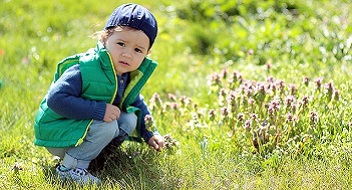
[124, 63]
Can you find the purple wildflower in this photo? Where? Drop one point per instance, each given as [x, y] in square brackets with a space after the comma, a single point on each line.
[235, 77]
[261, 88]
[290, 100]
[273, 107]
[148, 119]
[172, 97]
[240, 116]
[293, 89]
[254, 116]
[251, 101]
[222, 92]
[329, 88]
[270, 80]
[281, 86]
[212, 114]
[289, 117]
[268, 65]
[248, 125]
[250, 52]
[185, 101]
[175, 106]
[215, 80]
[336, 95]
[306, 81]
[318, 83]
[295, 119]
[313, 118]
[156, 100]
[224, 112]
[224, 73]
[231, 100]
[303, 102]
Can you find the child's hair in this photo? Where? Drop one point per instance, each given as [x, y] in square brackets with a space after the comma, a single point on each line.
[104, 34]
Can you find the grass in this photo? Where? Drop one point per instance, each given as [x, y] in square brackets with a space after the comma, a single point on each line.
[263, 42]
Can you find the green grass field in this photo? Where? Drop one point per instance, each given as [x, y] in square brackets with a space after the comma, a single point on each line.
[254, 94]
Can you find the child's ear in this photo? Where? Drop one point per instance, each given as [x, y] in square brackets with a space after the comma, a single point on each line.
[103, 39]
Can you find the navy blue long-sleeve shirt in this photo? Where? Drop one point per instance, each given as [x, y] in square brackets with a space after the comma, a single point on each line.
[64, 97]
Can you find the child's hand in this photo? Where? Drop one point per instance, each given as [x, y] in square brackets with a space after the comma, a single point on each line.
[111, 113]
[157, 142]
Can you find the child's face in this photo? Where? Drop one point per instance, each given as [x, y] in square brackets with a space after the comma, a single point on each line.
[128, 48]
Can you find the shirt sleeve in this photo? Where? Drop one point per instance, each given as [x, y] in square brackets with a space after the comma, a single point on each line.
[64, 98]
[140, 103]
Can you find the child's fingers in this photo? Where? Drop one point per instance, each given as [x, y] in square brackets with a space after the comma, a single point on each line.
[112, 113]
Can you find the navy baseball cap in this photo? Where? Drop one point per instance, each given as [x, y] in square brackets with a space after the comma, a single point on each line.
[135, 16]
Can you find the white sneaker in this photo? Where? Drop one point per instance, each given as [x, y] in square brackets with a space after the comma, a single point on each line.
[82, 176]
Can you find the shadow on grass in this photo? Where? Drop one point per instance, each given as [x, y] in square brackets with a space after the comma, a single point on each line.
[131, 166]
[57, 183]
[128, 166]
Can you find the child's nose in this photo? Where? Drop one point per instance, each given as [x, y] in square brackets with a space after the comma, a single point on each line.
[126, 53]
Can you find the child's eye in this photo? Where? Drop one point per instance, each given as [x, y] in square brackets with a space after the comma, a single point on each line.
[138, 50]
[121, 44]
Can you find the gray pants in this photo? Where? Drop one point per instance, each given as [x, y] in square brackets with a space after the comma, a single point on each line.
[98, 136]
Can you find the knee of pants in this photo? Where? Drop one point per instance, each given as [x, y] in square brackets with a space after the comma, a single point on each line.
[102, 131]
[128, 122]
[60, 152]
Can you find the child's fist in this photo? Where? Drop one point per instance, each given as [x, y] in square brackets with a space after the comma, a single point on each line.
[111, 113]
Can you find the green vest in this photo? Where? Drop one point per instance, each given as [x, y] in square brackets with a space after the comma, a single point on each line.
[99, 82]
